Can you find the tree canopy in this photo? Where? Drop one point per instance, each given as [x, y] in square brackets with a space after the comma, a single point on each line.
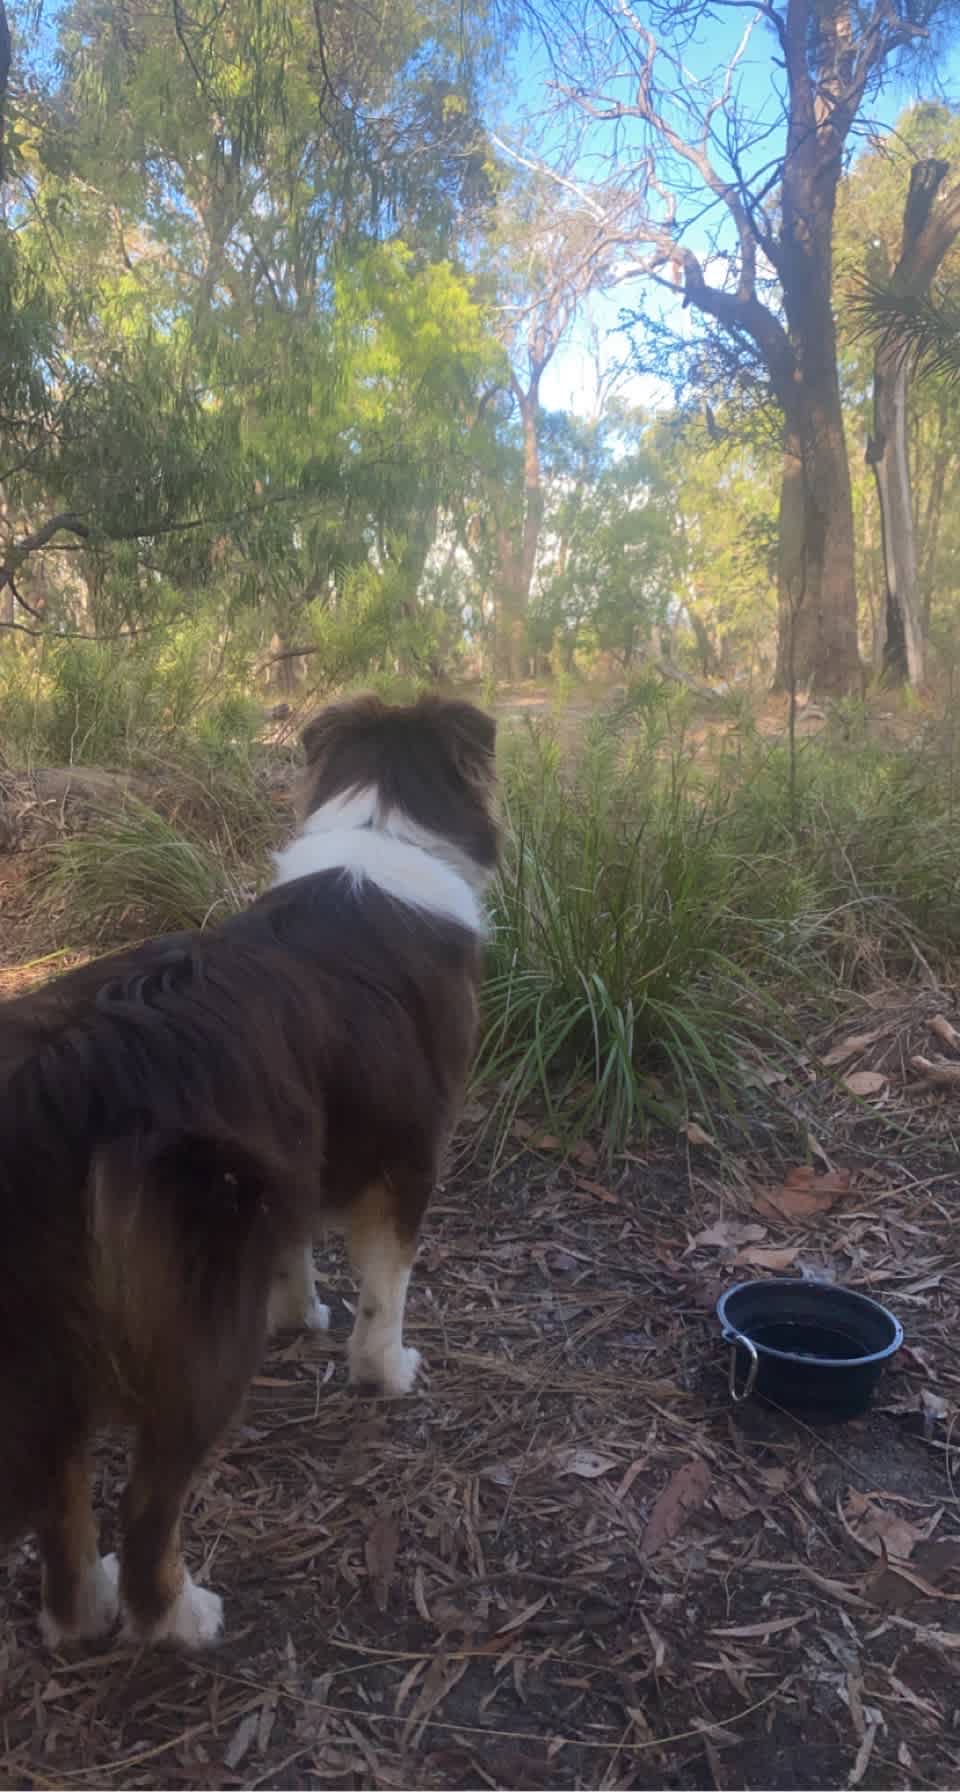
[281, 293]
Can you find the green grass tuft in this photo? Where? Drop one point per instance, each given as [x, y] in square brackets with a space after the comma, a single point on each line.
[135, 872]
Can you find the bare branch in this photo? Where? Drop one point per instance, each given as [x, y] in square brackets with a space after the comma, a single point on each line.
[21, 550]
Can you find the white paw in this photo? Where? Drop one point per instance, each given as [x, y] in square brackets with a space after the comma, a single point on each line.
[391, 1372]
[97, 1606]
[194, 1620]
[291, 1309]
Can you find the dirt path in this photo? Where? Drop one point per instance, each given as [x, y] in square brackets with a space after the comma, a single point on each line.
[562, 1563]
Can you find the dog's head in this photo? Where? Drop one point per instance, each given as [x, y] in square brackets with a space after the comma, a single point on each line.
[430, 763]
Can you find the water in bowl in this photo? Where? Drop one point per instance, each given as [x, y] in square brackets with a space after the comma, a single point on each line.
[817, 1341]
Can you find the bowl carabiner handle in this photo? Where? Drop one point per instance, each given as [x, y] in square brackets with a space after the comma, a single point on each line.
[733, 1338]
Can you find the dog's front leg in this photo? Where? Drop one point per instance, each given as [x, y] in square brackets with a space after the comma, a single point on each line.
[382, 1239]
[293, 1304]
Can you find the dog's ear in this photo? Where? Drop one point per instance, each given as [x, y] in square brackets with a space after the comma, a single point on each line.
[470, 734]
[337, 723]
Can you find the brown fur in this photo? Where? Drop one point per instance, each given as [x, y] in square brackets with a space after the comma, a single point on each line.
[176, 1117]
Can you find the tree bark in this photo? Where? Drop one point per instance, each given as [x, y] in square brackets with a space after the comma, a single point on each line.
[930, 526]
[817, 592]
[928, 232]
[706, 652]
[518, 556]
[817, 646]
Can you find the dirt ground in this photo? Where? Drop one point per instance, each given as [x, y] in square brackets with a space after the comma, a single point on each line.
[567, 1560]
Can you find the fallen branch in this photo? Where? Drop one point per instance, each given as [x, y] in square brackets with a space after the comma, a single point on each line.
[947, 1034]
[667, 669]
[938, 1071]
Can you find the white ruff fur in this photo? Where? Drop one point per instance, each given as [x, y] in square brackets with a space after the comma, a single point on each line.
[352, 834]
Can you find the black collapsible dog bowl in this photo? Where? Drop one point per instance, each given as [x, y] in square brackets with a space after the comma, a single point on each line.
[807, 1345]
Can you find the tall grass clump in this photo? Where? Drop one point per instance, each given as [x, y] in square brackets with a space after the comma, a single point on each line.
[664, 906]
[629, 940]
[873, 827]
[135, 872]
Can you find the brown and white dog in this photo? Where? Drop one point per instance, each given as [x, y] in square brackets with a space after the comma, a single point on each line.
[177, 1122]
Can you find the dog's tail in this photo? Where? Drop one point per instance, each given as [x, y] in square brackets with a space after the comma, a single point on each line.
[184, 1233]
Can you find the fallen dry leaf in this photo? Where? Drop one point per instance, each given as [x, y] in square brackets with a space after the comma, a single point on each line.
[756, 1257]
[241, 1740]
[268, 1717]
[804, 1193]
[636, 1467]
[596, 1189]
[441, 1677]
[684, 1493]
[766, 1627]
[584, 1153]
[777, 1480]
[864, 1752]
[894, 1586]
[380, 1555]
[523, 1617]
[726, 1233]
[879, 1529]
[697, 1136]
[852, 1046]
[865, 1082]
[588, 1464]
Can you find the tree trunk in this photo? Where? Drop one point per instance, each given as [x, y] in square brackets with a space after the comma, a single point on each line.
[706, 652]
[927, 235]
[817, 567]
[930, 526]
[901, 636]
[817, 593]
[817, 646]
[518, 560]
[510, 641]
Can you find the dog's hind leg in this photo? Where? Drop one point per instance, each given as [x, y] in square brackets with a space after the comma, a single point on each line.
[192, 1402]
[382, 1232]
[199, 1371]
[79, 1588]
[294, 1305]
[161, 1601]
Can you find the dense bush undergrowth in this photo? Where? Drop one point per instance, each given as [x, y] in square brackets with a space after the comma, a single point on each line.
[666, 906]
